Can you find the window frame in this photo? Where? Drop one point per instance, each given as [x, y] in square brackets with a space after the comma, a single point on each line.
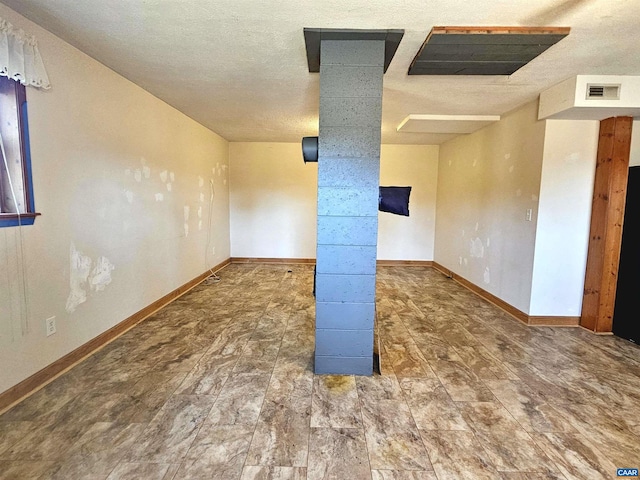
[27, 218]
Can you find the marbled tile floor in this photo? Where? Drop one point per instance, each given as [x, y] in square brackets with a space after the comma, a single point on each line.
[219, 385]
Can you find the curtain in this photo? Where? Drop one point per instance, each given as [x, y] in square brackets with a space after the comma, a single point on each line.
[19, 57]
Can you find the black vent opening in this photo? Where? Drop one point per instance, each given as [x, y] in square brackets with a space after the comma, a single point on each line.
[596, 91]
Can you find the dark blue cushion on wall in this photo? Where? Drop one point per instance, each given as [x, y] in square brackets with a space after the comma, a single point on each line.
[394, 200]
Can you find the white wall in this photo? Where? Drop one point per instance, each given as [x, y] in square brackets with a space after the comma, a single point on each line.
[273, 201]
[486, 182]
[272, 205]
[409, 238]
[564, 217]
[101, 147]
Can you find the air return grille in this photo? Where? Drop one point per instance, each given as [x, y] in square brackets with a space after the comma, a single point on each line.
[603, 92]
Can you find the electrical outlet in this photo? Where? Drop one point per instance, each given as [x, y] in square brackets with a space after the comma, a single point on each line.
[51, 325]
[529, 214]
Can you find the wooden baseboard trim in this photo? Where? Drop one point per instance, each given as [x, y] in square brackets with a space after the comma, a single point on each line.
[554, 321]
[404, 263]
[481, 292]
[594, 333]
[533, 321]
[380, 263]
[272, 260]
[35, 382]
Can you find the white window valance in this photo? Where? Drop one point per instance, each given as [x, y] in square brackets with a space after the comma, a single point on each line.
[19, 57]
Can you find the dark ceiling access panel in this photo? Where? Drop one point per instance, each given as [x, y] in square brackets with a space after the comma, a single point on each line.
[482, 50]
[314, 36]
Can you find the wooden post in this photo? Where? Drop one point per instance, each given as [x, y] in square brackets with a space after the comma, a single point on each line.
[607, 216]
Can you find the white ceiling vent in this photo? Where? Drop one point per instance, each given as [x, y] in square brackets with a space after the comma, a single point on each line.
[603, 92]
[591, 97]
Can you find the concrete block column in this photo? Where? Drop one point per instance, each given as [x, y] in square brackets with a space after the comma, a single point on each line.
[348, 178]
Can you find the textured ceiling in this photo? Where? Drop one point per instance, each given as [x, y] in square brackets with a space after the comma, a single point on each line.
[239, 67]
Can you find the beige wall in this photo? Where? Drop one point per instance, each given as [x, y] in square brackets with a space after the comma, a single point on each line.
[409, 238]
[104, 152]
[486, 182]
[273, 201]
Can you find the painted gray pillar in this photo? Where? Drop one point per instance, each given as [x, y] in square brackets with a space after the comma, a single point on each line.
[348, 179]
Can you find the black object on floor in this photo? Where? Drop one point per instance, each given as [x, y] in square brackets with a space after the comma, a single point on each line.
[626, 320]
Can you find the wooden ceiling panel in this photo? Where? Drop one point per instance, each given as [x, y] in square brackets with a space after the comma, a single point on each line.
[482, 50]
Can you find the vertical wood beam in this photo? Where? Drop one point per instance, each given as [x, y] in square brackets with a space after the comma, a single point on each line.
[607, 216]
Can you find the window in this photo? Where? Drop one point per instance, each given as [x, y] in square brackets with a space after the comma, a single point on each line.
[16, 190]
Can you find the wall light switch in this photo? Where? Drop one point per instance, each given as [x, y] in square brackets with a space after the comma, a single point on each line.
[529, 214]
[51, 325]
